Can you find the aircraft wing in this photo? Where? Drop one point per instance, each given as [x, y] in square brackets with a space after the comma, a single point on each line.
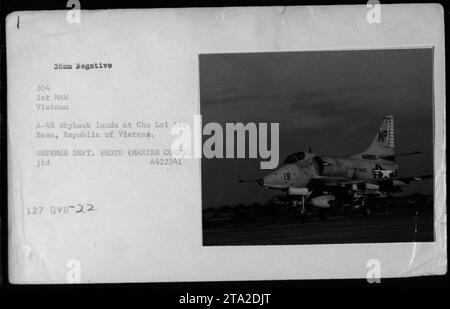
[336, 181]
[414, 178]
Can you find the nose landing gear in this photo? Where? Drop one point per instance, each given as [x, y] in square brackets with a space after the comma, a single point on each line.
[300, 207]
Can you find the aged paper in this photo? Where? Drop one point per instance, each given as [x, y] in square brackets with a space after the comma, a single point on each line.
[95, 195]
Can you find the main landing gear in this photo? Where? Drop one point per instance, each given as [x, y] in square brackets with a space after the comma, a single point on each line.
[300, 205]
[365, 208]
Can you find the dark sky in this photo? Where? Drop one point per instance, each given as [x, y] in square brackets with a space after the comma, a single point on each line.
[334, 101]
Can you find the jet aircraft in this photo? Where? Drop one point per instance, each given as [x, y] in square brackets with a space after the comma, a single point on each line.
[320, 182]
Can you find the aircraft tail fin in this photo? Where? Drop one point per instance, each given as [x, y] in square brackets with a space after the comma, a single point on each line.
[383, 145]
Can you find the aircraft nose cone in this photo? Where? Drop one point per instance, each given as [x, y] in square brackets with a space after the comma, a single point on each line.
[270, 180]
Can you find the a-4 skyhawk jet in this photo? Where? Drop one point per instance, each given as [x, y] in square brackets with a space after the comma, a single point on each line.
[319, 182]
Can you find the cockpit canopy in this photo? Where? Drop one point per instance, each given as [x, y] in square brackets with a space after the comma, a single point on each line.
[295, 157]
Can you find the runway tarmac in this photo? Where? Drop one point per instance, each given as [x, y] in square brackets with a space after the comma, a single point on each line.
[404, 226]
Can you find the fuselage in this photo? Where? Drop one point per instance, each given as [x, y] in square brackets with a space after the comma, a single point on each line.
[299, 174]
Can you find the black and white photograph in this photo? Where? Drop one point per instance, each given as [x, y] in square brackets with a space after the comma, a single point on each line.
[355, 140]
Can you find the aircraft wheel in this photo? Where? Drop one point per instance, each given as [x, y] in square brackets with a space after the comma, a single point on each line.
[367, 211]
